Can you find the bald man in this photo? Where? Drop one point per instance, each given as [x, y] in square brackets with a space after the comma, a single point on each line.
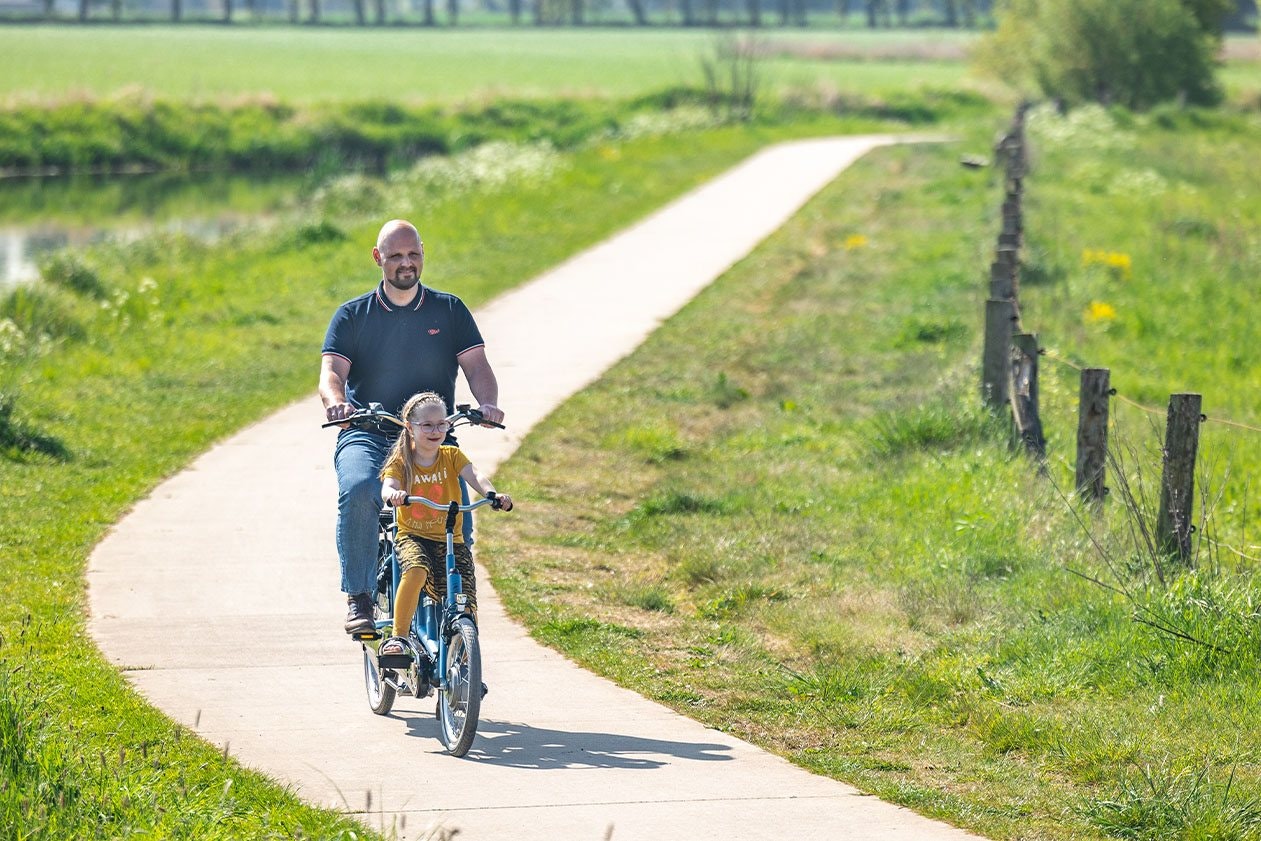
[383, 347]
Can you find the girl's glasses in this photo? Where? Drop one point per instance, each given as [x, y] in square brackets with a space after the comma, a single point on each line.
[440, 426]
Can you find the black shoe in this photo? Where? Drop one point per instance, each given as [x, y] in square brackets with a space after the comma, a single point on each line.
[359, 615]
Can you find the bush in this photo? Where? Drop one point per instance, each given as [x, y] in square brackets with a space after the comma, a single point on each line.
[1134, 53]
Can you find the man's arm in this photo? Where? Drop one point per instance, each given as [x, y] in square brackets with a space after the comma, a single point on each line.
[334, 370]
[481, 381]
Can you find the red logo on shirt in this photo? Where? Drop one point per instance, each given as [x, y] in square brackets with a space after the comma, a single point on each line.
[433, 331]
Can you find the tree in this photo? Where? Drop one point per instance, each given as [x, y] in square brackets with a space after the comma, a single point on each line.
[1134, 53]
[637, 11]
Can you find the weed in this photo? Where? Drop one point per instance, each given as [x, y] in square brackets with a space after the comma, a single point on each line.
[67, 271]
[933, 426]
[1176, 799]
[18, 440]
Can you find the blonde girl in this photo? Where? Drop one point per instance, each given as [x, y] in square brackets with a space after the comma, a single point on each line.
[421, 465]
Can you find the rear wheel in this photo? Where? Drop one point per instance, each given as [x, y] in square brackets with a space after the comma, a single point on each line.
[380, 694]
[461, 702]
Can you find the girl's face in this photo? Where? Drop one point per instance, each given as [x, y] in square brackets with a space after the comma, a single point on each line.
[429, 427]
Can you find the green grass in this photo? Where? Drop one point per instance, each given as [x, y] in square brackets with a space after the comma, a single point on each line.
[407, 66]
[172, 341]
[802, 529]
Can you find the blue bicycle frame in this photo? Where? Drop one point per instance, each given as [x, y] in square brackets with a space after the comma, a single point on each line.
[431, 623]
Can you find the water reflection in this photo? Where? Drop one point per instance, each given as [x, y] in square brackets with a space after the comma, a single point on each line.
[38, 216]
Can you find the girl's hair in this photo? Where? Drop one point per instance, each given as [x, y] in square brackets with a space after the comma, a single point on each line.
[401, 452]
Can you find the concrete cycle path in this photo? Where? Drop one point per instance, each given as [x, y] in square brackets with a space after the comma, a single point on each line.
[218, 595]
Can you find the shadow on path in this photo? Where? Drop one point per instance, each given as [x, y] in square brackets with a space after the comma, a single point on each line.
[516, 745]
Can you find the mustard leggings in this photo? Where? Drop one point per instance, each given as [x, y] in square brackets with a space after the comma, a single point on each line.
[424, 565]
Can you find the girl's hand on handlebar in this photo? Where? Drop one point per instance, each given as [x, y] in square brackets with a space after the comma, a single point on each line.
[500, 501]
[394, 498]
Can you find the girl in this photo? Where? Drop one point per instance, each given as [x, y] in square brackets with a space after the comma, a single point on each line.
[420, 465]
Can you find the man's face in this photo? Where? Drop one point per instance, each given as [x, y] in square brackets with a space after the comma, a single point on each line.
[401, 258]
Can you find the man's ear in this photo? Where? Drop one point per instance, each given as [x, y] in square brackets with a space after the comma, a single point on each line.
[376, 255]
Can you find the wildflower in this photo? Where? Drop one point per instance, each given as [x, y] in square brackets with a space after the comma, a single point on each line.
[11, 336]
[854, 241]
[1118, 263]
[1099, 311]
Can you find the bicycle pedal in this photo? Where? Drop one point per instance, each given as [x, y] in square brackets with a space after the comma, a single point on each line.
[394, 661]
[366, 637]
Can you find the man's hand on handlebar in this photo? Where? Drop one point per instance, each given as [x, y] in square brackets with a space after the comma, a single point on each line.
[339, 411]
[492, 413]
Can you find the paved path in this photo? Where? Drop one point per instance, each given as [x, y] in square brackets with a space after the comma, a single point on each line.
[233, 627]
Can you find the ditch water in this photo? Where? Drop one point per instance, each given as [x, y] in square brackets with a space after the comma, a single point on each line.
[42, 215]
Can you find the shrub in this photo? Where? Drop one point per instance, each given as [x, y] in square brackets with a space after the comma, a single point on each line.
[1134, 53]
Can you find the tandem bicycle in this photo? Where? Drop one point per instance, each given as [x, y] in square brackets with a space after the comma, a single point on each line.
[442, 651]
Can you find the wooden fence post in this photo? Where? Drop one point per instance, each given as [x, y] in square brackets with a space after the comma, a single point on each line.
[996, 358]
[1177, 481]
[1002, 281]
[1024, 393]
[1092, 434]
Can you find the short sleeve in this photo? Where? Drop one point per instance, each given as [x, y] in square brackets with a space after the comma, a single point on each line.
[393, 470]
[339, 339]
[458, 460]
[467, 336]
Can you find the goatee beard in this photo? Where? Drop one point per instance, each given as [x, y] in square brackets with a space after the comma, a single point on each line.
[403, 285]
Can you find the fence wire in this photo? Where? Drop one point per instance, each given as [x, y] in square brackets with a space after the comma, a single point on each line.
[1051, 355]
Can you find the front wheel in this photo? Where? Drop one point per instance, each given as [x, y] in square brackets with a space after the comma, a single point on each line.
[461, 702]
[380, 694]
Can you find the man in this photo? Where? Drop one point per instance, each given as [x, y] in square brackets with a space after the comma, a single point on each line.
[383, 347]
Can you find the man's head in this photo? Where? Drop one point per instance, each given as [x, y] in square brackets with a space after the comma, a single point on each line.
[400, 254]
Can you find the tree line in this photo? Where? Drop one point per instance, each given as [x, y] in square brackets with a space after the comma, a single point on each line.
[701, 13]
[874, 14]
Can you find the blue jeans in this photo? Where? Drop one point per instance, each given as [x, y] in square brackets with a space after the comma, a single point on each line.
[358, 459]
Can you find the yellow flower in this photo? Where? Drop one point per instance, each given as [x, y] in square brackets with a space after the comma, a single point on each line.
[1099, 311]
[1119, 263]
[854, 241]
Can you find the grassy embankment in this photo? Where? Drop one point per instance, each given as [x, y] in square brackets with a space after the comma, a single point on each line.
[129, 360]
[136, 134]
[786, 515]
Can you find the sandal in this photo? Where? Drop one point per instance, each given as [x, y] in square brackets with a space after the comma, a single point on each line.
[392, 646]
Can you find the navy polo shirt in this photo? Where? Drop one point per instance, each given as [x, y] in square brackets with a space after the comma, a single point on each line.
[396, 351]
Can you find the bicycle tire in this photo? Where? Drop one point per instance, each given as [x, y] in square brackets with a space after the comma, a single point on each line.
[380, 693]
[460, 704]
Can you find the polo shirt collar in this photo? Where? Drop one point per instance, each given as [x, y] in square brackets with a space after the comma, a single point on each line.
[388, 306]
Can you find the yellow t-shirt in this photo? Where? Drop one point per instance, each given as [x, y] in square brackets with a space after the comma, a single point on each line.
[438, 482]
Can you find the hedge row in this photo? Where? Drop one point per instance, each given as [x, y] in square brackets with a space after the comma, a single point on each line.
[131, 134]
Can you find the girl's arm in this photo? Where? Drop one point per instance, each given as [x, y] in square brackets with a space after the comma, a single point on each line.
[392, 492]
[478, 482]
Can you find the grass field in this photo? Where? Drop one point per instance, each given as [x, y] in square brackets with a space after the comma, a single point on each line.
[408, 65]
[787, 515]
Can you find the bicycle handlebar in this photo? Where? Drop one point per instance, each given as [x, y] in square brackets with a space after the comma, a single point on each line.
[375, 416]
[438, 506]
